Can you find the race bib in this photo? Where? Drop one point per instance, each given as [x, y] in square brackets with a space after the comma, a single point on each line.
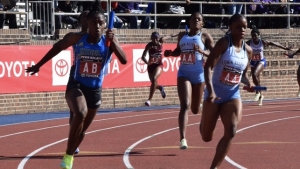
[230, 76]
[256, 57]
[155, 60]
[187, 57]
[90, 66]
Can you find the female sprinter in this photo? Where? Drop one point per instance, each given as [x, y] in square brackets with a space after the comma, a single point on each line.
[258, 61]
[229, 61]
[154, 49]
[84, 91]
[190, 79]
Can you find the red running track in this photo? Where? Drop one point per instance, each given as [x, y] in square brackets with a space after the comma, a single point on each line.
[267, 138]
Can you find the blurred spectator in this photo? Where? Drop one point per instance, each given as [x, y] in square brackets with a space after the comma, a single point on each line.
[281, 22]
[297, 11]
[264, 8]
[118, 23]
[251, 9]
[167, 22]
[209, 22]
[84, 6]
[214, 22]
[132, 7]
[235, 8]
[11, 18]
[68, 7]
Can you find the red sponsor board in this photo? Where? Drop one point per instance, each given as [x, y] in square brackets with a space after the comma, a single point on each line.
[53, 76]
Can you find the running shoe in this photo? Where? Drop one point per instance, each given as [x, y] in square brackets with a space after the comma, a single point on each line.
[183, 144]
[162, 92]
[260, 100]
[148, 103]
[257, 96]
[67, 162]
[76, 151]
[298, 93]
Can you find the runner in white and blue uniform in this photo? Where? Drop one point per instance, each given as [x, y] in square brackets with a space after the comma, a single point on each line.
[228, 72]
[225, 68]
[258, 61]
[84, 91]
[191, 47]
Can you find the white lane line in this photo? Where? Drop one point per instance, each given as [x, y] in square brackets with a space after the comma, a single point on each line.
[126, 160]
[255, 125]
[45, 128]
[248, 103]
[28, 131]
[125, 111]
[139, 115]
[24, 160]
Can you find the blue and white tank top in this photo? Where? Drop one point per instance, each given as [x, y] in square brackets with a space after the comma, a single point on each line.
[229, 69]
[191, 60]
[258, 51]
[91, 61]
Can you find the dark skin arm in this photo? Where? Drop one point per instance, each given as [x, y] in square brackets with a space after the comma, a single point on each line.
[265, 42]
[164, 38]
[208, 42]
[176, 52]
[115, 47]
[293, 54]
[212, 60]
[145, 53]
[245, 78]
[68, 40]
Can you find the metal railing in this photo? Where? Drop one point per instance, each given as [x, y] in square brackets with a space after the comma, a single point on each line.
[41, 18]
[39, 15]
[21, 15]
[200, 3]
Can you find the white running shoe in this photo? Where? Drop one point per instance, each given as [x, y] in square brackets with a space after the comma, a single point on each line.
[298, 93]
[148, 103]
[261, 100]
[76, 151]
[257, 96]
[183, 144]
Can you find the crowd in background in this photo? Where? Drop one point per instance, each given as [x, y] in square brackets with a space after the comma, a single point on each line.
[147, 22]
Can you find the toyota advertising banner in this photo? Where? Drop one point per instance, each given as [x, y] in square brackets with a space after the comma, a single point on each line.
[53, 76]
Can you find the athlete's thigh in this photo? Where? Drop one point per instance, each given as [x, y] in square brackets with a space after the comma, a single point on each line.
[76, 101]
[184, 89]
[197, 95]
[231, 113]
[157, 72]
[257, 69]
[210, 115]
[151, 75]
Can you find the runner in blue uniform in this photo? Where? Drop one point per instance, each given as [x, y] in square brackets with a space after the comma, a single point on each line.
[258, 61]
[84, 90]
[84, 28]
[191, 48]
[229, 61]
